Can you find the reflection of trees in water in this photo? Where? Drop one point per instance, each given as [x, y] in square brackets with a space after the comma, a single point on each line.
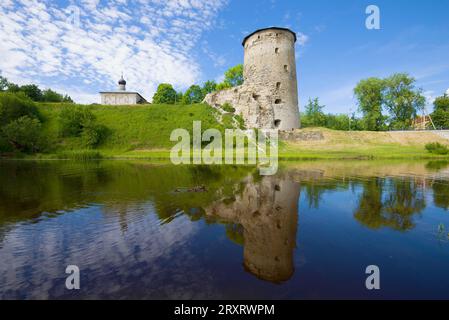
[441, 194]
[315, 189]
[29, 189]
[390, 203]
[384, 202]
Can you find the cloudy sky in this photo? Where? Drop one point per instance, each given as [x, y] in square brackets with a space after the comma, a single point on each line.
[80, 47]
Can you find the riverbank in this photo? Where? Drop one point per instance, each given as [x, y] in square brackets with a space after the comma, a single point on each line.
[143, 132]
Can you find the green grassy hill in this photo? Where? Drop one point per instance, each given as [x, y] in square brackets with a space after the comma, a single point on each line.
[143, 131]
[132, 128]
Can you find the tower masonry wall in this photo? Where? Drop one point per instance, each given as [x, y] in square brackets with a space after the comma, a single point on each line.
[268, 98]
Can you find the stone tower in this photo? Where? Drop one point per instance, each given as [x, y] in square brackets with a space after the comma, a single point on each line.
[270, 65]
[268, 98]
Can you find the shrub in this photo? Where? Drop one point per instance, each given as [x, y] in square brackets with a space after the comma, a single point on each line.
[72, 120]
[437, 148]
[91, 135]
[24, 134]
[81, 122]
[14, 106]
[228, 108]
[240, 121]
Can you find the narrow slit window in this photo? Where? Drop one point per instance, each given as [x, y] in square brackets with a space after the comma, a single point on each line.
[276, 50]
[277, 123]
[286, 67]
[278, 85]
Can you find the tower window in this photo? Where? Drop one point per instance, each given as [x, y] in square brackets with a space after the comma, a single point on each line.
[277, 123]
[286, 67]
[276, 50]
[277, 101]
[278, 85]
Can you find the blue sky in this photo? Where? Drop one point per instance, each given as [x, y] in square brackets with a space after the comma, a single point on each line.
[189, 41]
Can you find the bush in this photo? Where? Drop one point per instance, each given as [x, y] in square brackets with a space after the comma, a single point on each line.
[24, 134]
[72, 121]
[91, 135]
[240, 121]
[81, 122]
[437, 148]
[228, 108]
[14, 106]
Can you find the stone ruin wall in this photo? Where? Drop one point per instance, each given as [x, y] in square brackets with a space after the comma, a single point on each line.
[268, 97]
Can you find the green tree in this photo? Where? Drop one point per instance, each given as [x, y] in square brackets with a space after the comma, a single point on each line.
[13, 88]
[51, 96]
[3, 83]
[67, 98]
[164, 94]
[209, 87]
[24, 134]
[402, 100]
[370, 99]
[314, 116]
[193, 95]
[337, 121]
[440, 115]
[223, 86]
[32, 91]
[234, 76]
[179, 96]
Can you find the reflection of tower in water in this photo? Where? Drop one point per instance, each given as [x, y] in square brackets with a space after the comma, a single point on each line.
[268, 212]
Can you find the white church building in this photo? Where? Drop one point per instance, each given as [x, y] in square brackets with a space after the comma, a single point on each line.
[121, 96]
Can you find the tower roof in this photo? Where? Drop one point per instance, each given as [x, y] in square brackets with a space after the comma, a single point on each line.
[269, 28]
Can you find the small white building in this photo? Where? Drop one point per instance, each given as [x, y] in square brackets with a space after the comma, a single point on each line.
[121, 96]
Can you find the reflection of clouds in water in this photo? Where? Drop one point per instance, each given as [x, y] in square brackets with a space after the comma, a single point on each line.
[112, 260]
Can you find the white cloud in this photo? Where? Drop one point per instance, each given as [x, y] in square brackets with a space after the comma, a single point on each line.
[302, 38]
[447, 91]
[150, 42]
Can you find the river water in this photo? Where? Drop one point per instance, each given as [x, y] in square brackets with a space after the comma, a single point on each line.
[138, 230]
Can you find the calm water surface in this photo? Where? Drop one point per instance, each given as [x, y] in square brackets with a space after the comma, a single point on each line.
[144, 231]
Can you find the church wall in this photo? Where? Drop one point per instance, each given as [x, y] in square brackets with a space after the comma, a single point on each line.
[119, 98]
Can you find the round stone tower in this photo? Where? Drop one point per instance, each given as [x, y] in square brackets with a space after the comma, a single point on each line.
[270, 66]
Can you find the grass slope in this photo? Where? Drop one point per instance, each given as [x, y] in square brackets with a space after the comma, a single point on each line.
[143, 131]
[363, 145]
[133, 129]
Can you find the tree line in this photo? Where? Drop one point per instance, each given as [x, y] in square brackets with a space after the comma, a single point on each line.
[392, 103]
[166, 94]
[33, 92]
